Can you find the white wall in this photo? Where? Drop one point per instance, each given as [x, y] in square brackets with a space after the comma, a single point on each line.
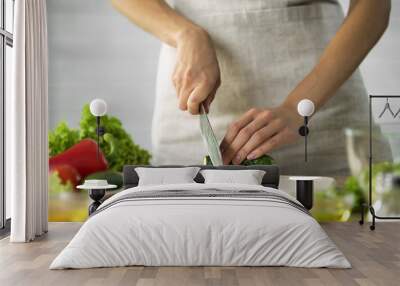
[95, 52]
[381, 69]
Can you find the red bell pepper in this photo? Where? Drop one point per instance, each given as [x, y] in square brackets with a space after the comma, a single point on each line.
[83, 157]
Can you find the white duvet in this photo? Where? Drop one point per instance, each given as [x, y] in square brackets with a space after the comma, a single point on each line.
[192, 231]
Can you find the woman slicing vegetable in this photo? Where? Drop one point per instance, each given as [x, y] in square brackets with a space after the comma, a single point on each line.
[252, 62]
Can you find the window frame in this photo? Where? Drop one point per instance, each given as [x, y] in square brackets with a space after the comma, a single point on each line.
[6, 39]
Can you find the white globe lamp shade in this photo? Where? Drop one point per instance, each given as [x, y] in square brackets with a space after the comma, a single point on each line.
[98, 107]
[305, 108]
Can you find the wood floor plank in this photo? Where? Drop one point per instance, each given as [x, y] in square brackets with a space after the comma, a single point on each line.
[375, 258]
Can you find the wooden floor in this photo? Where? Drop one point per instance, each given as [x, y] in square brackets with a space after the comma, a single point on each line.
[375, 257]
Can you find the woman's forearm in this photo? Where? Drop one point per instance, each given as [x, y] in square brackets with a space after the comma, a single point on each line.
[157, 18]
[362, 28]
[196, 76]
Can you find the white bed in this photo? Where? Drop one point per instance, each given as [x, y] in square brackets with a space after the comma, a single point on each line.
[250, 226]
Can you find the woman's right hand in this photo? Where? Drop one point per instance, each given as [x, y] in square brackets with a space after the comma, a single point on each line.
[196, 76]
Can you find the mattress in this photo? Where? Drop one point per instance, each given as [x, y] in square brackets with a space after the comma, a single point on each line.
[201, 225]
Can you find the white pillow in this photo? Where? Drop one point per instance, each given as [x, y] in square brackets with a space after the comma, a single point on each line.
[248, 177]
[164, 176]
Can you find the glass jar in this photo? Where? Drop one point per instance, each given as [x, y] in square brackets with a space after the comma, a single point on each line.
[387, 195]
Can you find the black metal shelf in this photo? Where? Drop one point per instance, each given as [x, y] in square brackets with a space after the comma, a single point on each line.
[369, 205]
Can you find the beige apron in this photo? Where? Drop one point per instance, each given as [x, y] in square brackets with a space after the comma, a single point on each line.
[264, 48]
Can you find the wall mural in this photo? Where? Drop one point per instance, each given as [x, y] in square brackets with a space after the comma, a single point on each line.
[121, 68]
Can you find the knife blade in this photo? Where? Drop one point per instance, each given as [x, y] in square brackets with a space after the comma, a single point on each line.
[209, 139]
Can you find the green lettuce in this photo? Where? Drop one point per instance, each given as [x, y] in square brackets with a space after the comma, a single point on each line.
[62, 138]
[122, 151]
[263, 160]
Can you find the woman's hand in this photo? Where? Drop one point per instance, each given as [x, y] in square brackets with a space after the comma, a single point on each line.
[197, 76]
[258, 132]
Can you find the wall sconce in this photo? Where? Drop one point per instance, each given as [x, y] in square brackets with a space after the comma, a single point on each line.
[98, 108]
[305, 108]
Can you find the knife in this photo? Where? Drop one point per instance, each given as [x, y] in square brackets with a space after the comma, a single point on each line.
[210, 141]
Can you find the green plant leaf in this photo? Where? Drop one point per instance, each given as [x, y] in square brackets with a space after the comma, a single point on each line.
[118, 146]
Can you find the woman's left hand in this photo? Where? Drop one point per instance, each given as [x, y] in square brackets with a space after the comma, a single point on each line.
[258, 132]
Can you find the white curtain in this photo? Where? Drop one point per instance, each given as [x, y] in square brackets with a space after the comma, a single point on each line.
[27, 155]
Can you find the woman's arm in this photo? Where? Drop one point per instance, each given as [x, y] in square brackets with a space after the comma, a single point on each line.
[157, 18]
[196, 76]
[261, 130]
[365, 24]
